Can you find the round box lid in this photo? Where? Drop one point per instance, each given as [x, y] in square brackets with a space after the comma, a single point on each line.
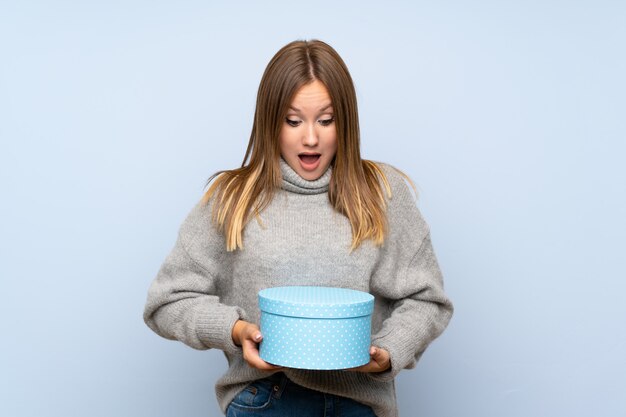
[316, 302]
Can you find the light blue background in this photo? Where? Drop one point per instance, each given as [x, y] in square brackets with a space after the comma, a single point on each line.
[510, 116]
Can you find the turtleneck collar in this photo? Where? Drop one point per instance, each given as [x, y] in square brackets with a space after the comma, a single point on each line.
[292, 181]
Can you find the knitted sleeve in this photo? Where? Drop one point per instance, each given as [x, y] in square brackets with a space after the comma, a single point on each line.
[182, 302]
[408, 277]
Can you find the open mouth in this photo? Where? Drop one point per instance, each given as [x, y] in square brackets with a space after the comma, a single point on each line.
[309, 158]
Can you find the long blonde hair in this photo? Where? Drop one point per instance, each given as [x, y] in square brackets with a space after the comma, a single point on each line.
[354, 189]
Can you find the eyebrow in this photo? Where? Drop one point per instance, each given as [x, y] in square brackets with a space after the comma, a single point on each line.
[322, 109]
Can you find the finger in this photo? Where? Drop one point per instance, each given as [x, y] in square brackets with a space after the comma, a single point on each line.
[252, 332]
[258, 363]
[261, 364]
[255, 336]
[251, 356]
[374, 351]
[378, 354]
[381, 357]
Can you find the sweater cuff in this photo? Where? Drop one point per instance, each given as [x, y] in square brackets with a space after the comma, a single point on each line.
[214, 328]
[398, 357]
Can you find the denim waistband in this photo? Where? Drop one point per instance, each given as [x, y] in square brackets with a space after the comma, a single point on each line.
[279, 380]
[292, 396]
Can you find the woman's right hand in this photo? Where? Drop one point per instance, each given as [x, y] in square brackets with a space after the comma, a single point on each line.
[248, 336]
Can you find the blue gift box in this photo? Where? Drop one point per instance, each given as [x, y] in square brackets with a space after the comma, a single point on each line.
[315, 327]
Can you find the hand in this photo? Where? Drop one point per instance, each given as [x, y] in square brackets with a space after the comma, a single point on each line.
[379, 361]
[248, 336]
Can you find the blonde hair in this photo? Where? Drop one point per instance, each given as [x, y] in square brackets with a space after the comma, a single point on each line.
[354, 189]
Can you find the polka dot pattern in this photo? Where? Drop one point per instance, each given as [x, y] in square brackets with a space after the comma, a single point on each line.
[316, 302]
[315, 327]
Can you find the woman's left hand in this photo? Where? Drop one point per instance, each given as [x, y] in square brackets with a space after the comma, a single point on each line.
[379, 361]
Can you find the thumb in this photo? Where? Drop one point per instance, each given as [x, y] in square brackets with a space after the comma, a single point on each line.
[379, 355]
[254, 333]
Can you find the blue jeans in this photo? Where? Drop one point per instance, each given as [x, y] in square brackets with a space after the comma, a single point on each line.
[279, 396]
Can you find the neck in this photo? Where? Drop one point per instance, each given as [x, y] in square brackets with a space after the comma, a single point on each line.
[293, 182]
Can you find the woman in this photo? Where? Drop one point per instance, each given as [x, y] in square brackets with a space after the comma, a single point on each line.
[303, 209]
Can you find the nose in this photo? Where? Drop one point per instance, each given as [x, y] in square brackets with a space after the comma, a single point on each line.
[310, 135]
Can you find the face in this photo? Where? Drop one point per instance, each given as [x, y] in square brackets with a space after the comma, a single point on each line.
[308, 138]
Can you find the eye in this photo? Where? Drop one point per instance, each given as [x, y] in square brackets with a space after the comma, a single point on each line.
[293, 123]
[327, 122]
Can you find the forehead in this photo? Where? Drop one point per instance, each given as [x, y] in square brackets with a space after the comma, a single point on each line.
[313, 96]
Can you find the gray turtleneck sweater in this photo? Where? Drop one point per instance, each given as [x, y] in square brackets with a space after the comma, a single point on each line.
[201, 290]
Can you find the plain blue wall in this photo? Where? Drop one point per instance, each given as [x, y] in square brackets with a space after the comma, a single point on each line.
[510, 118]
